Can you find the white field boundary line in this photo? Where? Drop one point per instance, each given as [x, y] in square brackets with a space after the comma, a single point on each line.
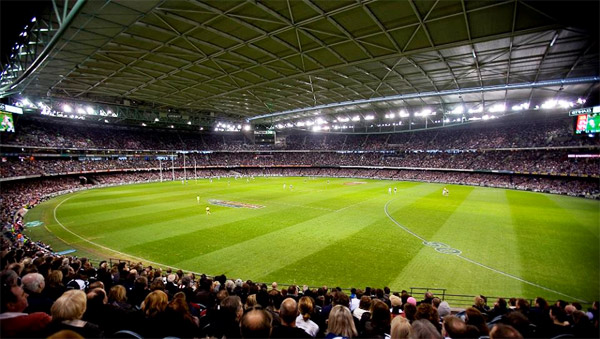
[104, 247]
[478, 263]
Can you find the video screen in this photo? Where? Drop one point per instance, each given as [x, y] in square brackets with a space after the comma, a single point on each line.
[587, 124]
[7, 124]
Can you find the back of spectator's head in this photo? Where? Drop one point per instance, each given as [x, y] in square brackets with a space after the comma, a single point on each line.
[395, 301]
[66, 334]
[305, 307]
[412, 301]
[288, 311]
[436, 302]
[55, 278]
[428, 312]
[400, 328]
[561, 303]
[365, 302]
[475, 318]
[518, 321]
[250, 301]
[409, 311]
[541, 303]
[558, 313]
[341, 323]
[501, 302]
[380, 314]
[232, 308]
[256, 324]
[423, 329]
[428, 295]
[117, 293]
[504, 331]
[341, 298]
[96, 284]
[155, 303]
[69, 306]
[444, 309]
[523, 305]
[33, 282]
[157, 284]
[141, 283]
[96, 297]
[454, 327]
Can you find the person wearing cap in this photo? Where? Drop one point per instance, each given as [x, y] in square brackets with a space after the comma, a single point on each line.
[13, 301]
[396, 302]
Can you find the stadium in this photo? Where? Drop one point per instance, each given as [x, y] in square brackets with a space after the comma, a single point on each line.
[372, 169]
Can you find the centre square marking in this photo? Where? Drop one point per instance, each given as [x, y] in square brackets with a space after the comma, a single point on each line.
[233, 204]
[441, 247]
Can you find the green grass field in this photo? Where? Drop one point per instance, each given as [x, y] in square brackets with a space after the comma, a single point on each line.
[511, 243]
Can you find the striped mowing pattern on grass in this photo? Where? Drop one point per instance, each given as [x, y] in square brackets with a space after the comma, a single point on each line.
[340, 235]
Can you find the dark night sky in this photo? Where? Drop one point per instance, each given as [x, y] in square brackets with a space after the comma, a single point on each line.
[14, 15]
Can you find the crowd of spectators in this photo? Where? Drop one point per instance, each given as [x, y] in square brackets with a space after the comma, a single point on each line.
[550, 161]
[48, 295]
[521, 132]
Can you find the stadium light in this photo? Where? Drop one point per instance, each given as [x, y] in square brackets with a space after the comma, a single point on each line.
[343, 119]
[403, 114]
[425, 112]
[521, 107]
[356, 118]
[106, 121]
[476, 110]
[89, 110]
[81, 110]
[316, 128]
[549, 104]
[300, 124]
[156, 120]
[370, 117]
[34, 19]
[565, 104]
[67, 109]
[458, 110]
[581, 101]
[497, 108]
[247, 127]
[143, 124]
[189, 122]
[390, 116]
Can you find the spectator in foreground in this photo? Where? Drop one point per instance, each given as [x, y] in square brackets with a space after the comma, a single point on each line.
[305, 306]
[33, 284]
[423, 329]
[256, 323]
[287, 314]
[340, 323]
[13, 322]
[401, 328]
[67, 312]
[504, 331]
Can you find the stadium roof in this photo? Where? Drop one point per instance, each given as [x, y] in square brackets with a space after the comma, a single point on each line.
[248, 60]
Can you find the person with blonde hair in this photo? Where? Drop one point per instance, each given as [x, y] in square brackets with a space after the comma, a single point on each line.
[340, 323]
[155, 321]
[67, 312]
[401, 328]
[306, 307]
